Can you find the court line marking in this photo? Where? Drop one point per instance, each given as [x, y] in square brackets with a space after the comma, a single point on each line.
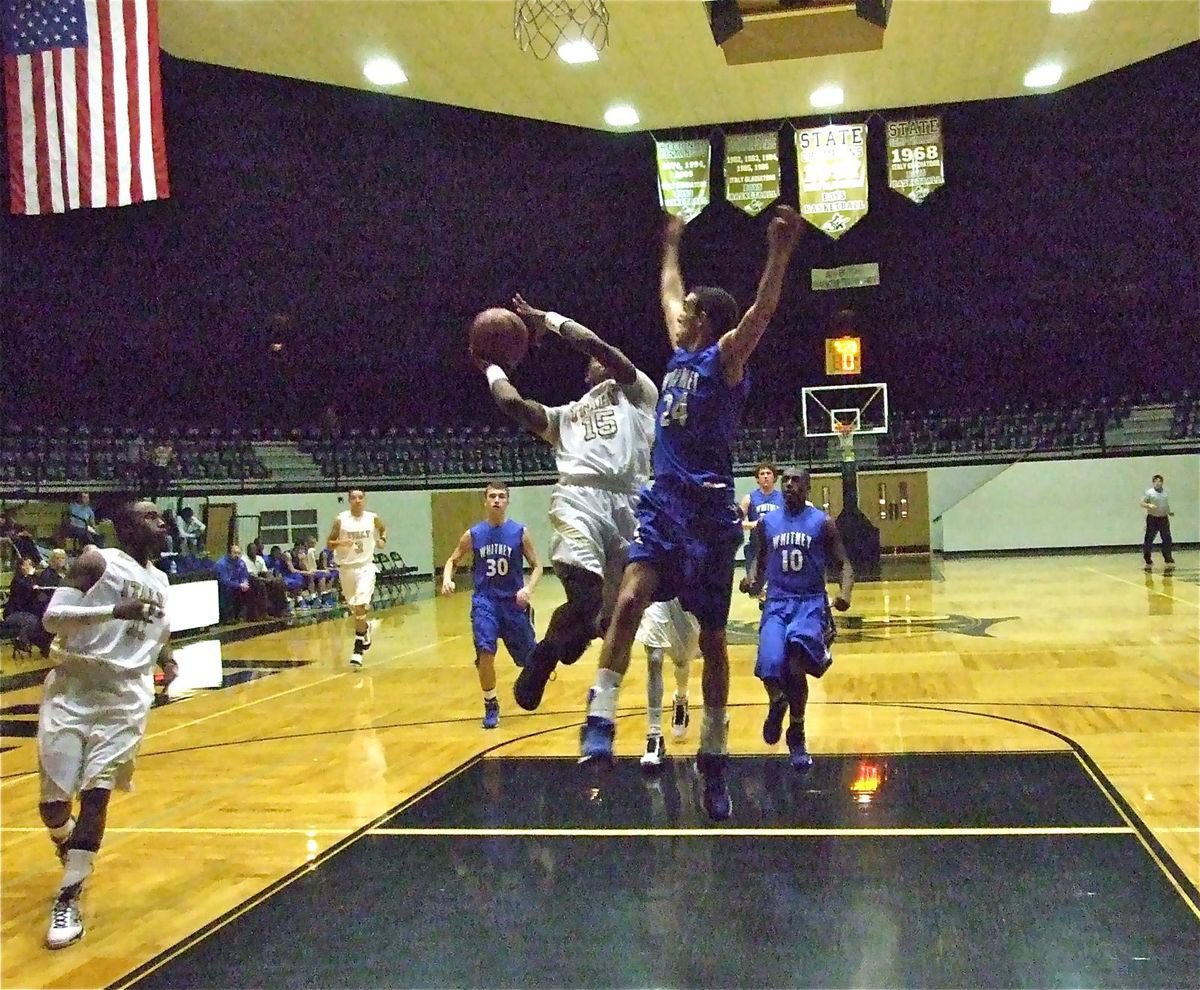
[150, 830]
[258, 701]
[720, 832]
[1134, 584]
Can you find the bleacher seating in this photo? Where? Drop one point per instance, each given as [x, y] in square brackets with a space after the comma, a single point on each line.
[65, 457]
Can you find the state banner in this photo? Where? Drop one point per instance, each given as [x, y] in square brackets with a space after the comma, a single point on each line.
[915, 161]
[683, 171]
[752, 171]
[832, 162]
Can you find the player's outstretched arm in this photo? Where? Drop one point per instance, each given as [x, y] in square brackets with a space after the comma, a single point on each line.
[529, 414]
[580, 338]
[752, 583]
[461, 550]
[535, 575]
[837, 550]
[671, 280]
[783, 234]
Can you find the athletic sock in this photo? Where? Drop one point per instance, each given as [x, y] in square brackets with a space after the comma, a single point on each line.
[603, 700]
[714, 730]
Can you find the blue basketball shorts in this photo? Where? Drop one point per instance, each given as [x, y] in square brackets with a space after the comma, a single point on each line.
[789, 625]
[495, 619]
[691, 537]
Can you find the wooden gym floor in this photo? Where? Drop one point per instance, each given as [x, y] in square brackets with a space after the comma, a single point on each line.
[1006, 792]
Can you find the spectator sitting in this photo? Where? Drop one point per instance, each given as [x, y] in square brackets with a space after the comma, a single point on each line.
[161, 467]
[326, 563]
[191, 532]
[233, 585]
[23, 612]
[81, 521]
[304, 556]
[51, 578]
[281, 565]
[22, 540]
[271, 585]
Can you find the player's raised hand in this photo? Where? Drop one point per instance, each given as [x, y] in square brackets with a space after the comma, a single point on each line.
[785, 228]
[534, 318]
[448, 586]
[136, 610]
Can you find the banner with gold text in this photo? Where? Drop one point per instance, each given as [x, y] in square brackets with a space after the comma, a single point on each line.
[832, 162]
[915, 160]
[683, 169]
[752, 171]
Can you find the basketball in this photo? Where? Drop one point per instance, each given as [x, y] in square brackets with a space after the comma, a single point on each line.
[499, 336]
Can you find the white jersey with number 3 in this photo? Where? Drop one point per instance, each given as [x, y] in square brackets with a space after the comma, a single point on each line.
[604, 438]
[359, 529]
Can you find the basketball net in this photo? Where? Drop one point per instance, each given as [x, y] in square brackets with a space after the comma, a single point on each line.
[845, 434]
[541, 26]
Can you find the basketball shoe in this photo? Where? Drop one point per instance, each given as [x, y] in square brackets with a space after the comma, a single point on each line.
[491, 713]
[656, 752]
[773, 723]
[717, 802]
[596, 740]
[66, 918]
[797, 751]
[680, 718]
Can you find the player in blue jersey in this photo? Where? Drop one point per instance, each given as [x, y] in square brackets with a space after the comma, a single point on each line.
[765, 498]
[689, 525]
[500, 604]
[795, 546]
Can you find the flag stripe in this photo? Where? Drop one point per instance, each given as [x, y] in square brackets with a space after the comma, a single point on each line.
[68, 126]
[84, 105]
[83, 123]
[16, 143]
[162, 186]
[99, 160]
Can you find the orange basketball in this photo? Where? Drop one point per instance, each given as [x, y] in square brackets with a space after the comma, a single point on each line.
[499, 336]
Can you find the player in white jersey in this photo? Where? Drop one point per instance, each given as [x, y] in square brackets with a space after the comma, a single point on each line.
[665, 626]
[601, 447]
[111, 626]
[355, 538]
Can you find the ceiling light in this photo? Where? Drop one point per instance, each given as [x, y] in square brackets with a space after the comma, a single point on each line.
[827, 96]
[1042, 76]
[577, 52]
[384, 72]
[621, 115]
[1069, 6]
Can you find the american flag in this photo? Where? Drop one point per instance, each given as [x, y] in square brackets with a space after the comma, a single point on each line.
[84, 104]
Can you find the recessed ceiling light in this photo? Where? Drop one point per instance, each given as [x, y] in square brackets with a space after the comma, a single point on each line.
[384, 72]
[1042, 76]
[1069, 6]
[621, 115]
[827, 96]
[577, 52]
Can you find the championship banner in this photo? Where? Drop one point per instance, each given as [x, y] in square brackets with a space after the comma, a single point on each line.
[846, 277]
[683, 177]
[915, 162]
[752, 171]
[832, 162]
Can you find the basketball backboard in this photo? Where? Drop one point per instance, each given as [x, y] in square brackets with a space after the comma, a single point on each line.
[863, 406]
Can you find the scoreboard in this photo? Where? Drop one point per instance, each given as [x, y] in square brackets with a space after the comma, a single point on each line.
[843, 355]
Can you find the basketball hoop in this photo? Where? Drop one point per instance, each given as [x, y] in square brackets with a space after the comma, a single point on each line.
[845, 434]
[543, 26]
